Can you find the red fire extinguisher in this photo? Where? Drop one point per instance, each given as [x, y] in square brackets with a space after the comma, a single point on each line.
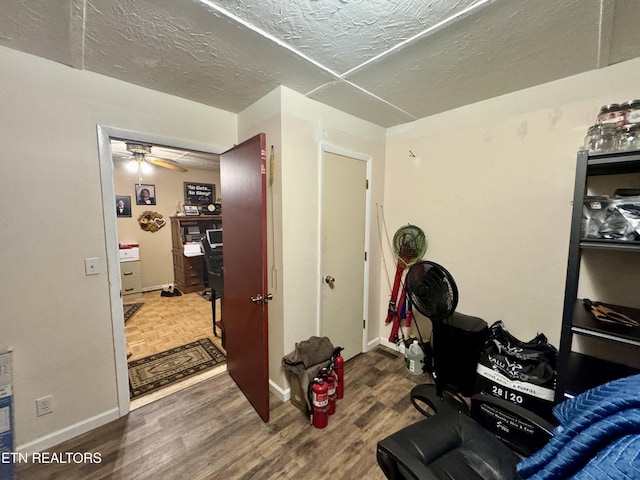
[320, 402]
[329, 376]
[338, 367]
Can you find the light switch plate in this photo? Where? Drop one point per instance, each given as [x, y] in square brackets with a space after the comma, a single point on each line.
[91, 266]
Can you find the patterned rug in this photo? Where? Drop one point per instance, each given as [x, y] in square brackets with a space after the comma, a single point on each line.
[130, 310]
[157, 371]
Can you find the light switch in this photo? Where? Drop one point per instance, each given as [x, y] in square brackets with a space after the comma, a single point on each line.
[91, 266]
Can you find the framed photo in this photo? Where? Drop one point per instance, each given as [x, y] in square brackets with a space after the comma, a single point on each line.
[199, 193]
[191, 210]
[145, 194]
[123, 205]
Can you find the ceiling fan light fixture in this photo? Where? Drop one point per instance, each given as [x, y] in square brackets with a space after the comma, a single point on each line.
[145, 167]
[133, 166]
[143, 162]
[139, 148]
[138, 165]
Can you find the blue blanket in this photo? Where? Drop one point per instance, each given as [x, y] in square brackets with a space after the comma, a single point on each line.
[598, 436]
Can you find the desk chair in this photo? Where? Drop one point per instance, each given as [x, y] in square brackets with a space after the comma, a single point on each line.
[215, 273]
[597, 437]
[453, 445]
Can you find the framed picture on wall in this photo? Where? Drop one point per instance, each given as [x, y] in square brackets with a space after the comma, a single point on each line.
[145, 194]
[191, 210]
[123, 205]
[196, 193]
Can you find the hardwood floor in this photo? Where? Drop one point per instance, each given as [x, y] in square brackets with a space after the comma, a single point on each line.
[210, 431]
[163, 323]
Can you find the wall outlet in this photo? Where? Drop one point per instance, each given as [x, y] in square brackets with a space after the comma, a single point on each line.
[44, 405]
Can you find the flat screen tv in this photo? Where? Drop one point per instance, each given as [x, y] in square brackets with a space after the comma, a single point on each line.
[214, 237]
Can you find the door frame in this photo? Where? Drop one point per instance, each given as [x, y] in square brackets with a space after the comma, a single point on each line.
[105, 134]
[368, 159]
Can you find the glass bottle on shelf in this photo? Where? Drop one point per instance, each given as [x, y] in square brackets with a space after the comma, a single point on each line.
[628, 137]
[632, 111]
[603, 139]
[590, 137]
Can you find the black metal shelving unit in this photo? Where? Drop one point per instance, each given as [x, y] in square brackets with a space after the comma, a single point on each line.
[578, 372]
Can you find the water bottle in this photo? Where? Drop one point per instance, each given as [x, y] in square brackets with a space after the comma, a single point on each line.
[415, 359]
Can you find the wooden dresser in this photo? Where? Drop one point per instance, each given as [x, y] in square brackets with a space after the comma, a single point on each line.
[188, 270]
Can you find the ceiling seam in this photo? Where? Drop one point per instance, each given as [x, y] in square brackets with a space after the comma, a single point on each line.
[320, 87]
[600, 33]
[429, 31]
[605, 32]
[84, 29]
[363, 90]
[77, 33]
[380, 99]
[268, 36]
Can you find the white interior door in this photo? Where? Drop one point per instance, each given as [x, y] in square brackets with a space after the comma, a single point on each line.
[344, 194]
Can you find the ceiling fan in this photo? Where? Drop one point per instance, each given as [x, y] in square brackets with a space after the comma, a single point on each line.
[142, 156]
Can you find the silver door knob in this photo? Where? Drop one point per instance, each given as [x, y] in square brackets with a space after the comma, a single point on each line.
[330, 280]
[257, 299]
[268, 297]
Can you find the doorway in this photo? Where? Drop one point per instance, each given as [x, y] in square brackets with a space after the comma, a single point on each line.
[105, 135]
[344, 249]
[161, 315]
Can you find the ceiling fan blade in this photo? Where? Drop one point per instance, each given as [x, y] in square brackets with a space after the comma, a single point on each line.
[162, 162]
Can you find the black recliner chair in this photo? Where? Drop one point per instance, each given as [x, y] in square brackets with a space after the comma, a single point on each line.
[597, 437]
[454, 443]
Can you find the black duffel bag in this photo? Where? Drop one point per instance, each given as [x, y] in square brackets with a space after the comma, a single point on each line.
[521, 372]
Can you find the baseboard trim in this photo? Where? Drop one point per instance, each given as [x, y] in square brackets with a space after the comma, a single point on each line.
[386, 343]
[282, 394]
[373, 343]
[153, 288]
[55, 438]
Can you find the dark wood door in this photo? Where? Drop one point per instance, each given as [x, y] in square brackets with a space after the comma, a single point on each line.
[243, 187]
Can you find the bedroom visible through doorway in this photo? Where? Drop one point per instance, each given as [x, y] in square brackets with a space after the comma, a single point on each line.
[183, 314]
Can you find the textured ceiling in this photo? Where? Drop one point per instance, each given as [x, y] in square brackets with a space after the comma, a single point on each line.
[386, 61]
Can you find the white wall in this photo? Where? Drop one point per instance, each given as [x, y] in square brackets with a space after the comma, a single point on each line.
[299, 127]
[491, 184]
[307, 125]
[58, 320]
[264, 117]
[156, 260]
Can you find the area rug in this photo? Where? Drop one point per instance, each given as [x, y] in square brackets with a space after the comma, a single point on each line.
[161, 369]
[130, 310]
